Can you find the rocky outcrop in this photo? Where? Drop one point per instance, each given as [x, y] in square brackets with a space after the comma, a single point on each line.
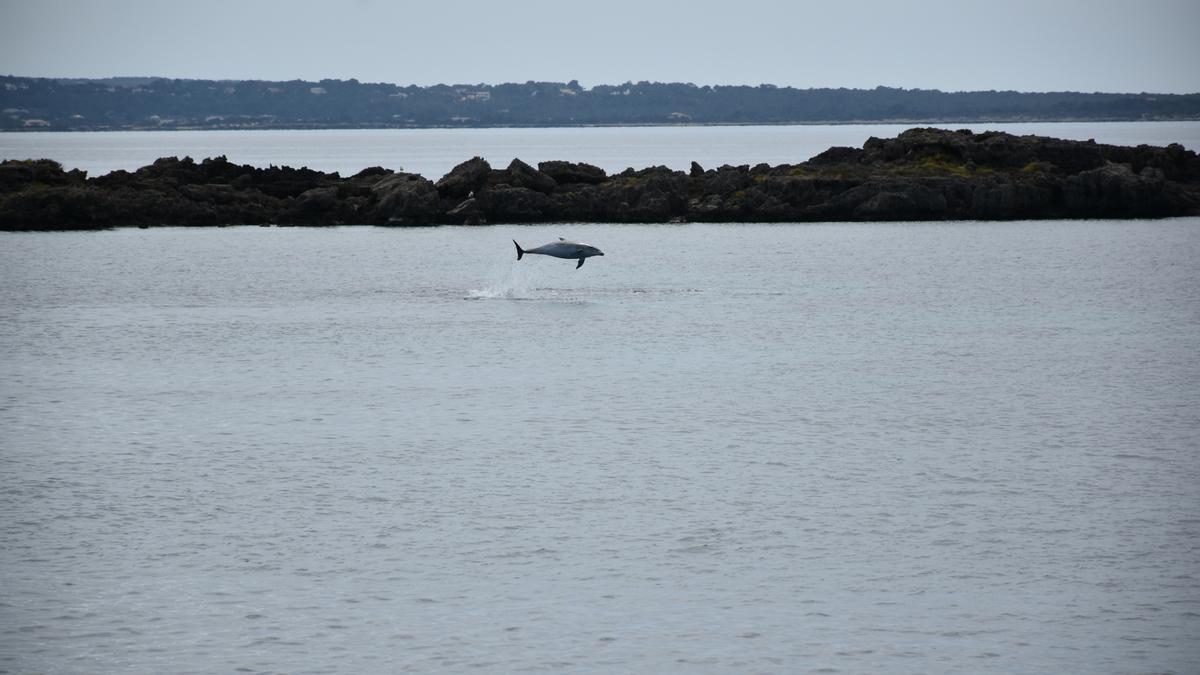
[403, 199]
[16, 176]
[515, 205]
[525, 176]
[1114, 189]
[922, 174]
[464, 178]
[567, 173]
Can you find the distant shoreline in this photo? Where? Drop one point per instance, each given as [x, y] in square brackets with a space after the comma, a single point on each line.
[880, 122]
[141, 104]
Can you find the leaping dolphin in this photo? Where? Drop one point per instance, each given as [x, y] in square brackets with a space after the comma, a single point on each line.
[562, 249]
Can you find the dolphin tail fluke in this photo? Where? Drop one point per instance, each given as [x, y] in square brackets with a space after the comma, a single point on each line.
[580, 263]
[520, 251]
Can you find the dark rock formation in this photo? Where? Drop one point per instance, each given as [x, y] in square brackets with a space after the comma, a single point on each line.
[469, 212]
[922, 174]
[16, 176]
[464, 178]
[569, 172]
[515, 205]
[526, 176]
[404, 199]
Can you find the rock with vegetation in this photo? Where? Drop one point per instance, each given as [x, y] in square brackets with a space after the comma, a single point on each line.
[922, 174]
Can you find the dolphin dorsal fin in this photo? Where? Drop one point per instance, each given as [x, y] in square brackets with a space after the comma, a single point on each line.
[561, 239]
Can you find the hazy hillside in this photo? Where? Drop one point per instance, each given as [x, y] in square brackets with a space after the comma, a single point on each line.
[150, 103]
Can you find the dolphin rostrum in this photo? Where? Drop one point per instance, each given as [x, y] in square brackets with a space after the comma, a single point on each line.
[562, 249]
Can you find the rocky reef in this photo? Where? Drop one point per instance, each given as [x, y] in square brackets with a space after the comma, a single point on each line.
[922, 174]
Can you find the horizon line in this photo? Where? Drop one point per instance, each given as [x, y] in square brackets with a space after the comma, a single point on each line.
[763, 85]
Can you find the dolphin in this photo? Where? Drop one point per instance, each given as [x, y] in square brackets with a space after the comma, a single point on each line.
[562, 249]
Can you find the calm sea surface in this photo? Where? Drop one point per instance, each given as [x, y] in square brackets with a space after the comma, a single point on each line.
[856, 448]
[433, 152]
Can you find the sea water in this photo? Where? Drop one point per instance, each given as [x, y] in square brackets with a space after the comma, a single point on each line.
[901, 448]
[433, 152]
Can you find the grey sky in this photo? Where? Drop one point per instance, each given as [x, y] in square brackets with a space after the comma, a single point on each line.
[1028, 45]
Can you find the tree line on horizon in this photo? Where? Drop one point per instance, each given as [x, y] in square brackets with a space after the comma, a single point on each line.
[34, 104]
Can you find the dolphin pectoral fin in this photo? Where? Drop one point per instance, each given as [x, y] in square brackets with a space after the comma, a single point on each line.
[580, 263]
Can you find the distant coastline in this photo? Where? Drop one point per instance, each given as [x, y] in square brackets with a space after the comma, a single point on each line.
[139, 104]
[922, 174]
[894, 122]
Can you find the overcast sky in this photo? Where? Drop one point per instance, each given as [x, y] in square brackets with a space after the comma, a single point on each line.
[1027, 45]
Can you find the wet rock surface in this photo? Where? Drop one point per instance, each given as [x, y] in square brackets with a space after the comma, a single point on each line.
[922, 174]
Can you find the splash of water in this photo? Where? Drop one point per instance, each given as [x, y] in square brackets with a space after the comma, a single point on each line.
[514, 282]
